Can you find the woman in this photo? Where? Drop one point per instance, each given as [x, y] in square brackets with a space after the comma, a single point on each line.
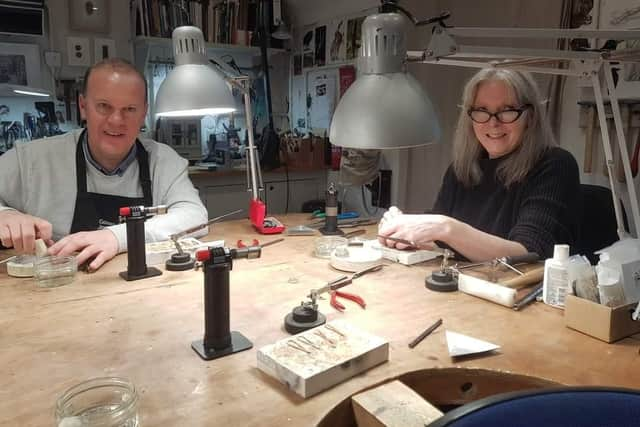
[510, 189]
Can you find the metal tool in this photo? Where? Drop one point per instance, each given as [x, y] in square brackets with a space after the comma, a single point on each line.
[331, 213]
[195, 228]
[442, 280]
[529, 298]
[508, 261]
[219, 340]
[425, 334]
[134, 217]
[411, 244]
[181, 260]
[306, 315]
[8, 259]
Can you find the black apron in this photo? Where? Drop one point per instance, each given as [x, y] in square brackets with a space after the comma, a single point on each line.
[94, 211]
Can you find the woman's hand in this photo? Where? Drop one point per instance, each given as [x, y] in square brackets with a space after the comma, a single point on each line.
[422, 230]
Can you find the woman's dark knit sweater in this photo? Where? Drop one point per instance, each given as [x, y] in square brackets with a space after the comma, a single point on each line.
[540, 211]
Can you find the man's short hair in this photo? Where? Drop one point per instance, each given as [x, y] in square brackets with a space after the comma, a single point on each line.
[114, 64]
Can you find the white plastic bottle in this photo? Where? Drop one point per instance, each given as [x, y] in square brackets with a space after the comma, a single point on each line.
[556, 277]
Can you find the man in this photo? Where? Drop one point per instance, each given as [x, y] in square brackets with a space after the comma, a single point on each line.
[70, 187]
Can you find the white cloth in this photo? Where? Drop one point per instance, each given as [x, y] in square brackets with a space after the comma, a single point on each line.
[39, 178]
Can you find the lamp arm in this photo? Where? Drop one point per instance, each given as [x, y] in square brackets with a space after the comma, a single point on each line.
[241, 82]
[443, 49]
[253, 168]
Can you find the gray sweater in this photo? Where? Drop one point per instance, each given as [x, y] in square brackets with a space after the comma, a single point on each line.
[39, 178]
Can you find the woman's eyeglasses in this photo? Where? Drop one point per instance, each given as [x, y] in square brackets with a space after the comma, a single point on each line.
[507, 116]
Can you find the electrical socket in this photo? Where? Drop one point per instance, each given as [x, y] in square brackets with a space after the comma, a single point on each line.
[103, 49]
[78, 51]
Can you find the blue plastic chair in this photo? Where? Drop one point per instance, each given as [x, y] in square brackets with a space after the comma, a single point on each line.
[563, 406]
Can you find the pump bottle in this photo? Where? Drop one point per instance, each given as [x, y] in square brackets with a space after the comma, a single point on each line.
[556, 278]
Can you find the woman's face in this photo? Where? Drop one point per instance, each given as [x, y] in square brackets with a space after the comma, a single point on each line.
[497, 138]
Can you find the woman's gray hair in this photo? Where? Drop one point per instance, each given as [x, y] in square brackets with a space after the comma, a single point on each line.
[537, 136]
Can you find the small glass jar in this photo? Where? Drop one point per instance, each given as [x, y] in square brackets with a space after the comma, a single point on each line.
[52, 271]
[99, 402]
[324, 246]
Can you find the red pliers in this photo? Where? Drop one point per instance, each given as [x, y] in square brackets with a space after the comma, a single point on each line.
[343, 281]
[241, 244]
[353, 297]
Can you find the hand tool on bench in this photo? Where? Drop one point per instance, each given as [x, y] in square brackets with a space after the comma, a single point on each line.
[306, 315]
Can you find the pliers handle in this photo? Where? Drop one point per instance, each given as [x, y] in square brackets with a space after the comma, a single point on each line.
[353, 297]
[241, 244]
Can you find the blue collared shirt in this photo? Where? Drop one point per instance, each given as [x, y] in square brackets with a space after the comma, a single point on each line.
[119, 170]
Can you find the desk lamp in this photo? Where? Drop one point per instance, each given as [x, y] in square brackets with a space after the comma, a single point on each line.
[198, 86]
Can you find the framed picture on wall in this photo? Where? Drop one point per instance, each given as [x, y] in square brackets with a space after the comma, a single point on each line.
[20, 64]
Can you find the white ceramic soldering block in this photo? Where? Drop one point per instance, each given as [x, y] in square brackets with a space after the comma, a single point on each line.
[309, 363]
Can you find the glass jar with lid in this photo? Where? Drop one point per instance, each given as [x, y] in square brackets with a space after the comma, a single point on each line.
[52, 271]
[99, 402]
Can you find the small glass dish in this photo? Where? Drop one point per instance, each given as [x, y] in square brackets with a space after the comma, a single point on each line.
[104, 402]
[52, 271]
[324, 246]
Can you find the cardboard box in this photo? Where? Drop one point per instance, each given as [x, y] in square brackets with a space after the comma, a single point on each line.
[602, 322]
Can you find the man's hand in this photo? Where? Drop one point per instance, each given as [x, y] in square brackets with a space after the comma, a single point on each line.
[20, 231]
[101, 245]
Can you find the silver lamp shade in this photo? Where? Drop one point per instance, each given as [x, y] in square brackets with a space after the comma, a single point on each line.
[194, 87]
[385, 107]
[384, 111]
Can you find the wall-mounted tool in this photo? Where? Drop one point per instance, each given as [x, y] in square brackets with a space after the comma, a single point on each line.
[331, 213]
[134, 217]
[588, 142]
[181, 260]
[218, 340]
[306, 315]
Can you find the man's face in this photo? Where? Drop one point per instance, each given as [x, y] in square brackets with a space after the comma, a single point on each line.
[114, 108]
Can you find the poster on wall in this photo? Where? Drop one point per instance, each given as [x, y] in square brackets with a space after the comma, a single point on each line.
[584, 15]
[322, 93]
[354, 30]
[337, 45]
[308, 49]
[321, 45]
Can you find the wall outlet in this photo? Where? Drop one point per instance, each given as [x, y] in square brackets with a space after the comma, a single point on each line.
[103, 49]
[78, 51]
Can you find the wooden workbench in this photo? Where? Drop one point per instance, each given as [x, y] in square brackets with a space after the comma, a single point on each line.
[101, 325]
